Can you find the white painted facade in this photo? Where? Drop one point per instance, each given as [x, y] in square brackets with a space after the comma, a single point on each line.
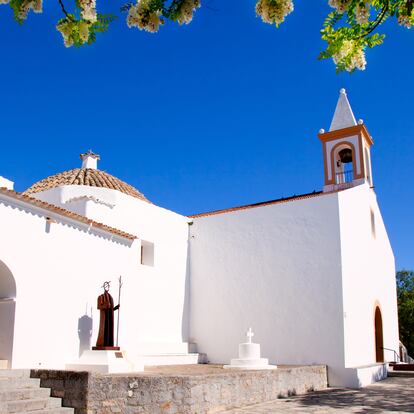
[59, 268]
[157, 298]
[368, 280]
[305, 273]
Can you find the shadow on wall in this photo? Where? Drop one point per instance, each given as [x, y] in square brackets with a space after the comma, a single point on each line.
[7, 313]
[185, 324]
[85, 328]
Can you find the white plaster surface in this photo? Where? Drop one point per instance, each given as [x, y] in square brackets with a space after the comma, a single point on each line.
[368, 274]
[249, 356]
[277, 268]
[104, 362]
[59, 269]
[5, 183]
[89, 161]
[306, 274]
[358, 377]
[156, 301]
[343, 116]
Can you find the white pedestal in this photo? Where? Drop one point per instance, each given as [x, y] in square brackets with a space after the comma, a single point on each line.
[249, 350]
[162, 353]
[164, 359]
[104, 362]
[249, 358]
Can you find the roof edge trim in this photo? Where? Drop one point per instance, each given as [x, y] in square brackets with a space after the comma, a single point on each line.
[24, 198]
[261, 204]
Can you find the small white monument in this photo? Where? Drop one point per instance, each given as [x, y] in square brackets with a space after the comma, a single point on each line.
[249, 356]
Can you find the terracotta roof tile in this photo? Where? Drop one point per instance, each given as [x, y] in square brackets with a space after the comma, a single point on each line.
[65, 213]
[85, 176]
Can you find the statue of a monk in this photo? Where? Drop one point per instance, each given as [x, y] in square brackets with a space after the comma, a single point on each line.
[106, 324]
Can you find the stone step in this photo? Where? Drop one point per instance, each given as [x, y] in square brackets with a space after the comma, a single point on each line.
[406, 374]
[61, 410]
[403, 367]
[18, 383]
[24, 406]
[15, 373]
[20, 394]
[24, 394]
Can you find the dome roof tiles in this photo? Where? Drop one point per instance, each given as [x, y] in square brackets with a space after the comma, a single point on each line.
[85, 176]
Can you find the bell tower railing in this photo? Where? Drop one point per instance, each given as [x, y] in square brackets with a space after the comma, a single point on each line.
[344, 177]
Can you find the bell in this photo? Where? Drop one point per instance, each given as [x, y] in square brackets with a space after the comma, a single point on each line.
[345, 155]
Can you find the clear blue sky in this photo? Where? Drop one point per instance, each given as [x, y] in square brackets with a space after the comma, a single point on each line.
[219, 113]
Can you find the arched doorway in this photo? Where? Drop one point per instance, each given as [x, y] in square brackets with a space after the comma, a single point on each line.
[379, 340]
[7, 313]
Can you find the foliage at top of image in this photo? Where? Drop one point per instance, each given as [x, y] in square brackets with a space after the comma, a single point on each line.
[349, 29]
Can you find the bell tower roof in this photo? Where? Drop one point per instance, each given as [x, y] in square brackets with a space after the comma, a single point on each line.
[346, 149]
[343, 116]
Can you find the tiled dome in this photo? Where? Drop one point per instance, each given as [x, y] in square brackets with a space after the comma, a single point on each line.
[85, 176]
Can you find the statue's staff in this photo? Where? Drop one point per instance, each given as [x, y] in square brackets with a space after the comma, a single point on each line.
[119, 308]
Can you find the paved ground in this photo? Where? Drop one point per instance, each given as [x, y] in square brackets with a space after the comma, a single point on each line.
[394, 395]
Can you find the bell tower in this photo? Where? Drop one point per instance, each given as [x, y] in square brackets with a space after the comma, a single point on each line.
[346, 149]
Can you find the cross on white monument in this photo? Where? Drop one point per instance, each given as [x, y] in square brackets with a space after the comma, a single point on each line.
[250, 335]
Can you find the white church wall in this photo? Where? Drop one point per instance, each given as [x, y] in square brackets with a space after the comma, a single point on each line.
[59, 270]
[275, 268]
[368, 277]
[159, 297]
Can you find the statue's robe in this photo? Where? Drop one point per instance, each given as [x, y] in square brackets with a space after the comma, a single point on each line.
[106, 324]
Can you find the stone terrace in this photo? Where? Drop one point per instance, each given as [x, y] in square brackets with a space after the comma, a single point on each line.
[186, 389]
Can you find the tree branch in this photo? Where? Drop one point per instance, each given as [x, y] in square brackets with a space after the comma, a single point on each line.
[377, 21]
[62, 6]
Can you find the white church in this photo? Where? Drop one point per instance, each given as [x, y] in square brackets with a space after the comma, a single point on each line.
[314, 274]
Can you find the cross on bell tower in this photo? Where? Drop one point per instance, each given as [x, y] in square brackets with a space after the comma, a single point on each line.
[346, 149]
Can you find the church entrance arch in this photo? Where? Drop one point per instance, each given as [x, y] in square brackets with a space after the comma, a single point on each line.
[7, 313]
[379, 340]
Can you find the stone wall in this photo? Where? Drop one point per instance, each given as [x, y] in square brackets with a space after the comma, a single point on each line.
[168, 394]
[71, 386]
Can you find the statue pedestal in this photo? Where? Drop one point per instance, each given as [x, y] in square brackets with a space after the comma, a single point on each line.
[104, 361]
[249, 357]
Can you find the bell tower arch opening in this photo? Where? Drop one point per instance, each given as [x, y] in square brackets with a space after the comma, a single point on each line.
[7, 313]
[343, 165]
